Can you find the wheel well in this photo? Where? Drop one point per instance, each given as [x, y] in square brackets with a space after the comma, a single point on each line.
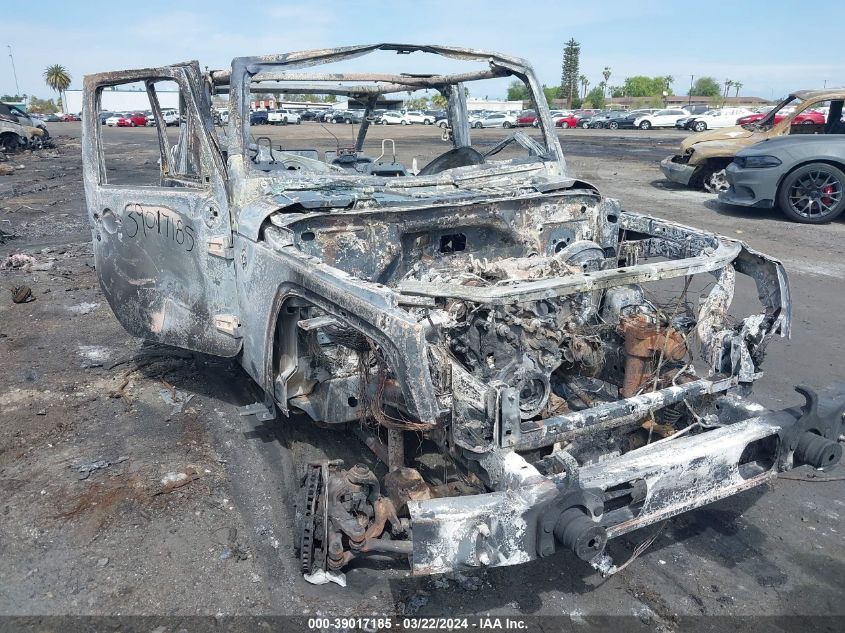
[9, 135]
[716, 163]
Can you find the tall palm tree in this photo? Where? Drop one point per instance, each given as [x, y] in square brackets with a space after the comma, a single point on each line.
[668, 80]
[584, 83]
[606, 74]
[728, 84]
[58, 78]
[737, 86]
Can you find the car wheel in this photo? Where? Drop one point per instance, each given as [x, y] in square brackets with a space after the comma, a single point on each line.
[565, 125]
[131, 124]
[404, 122]
[645, 125]
[613, 125]
[426, 122]
[807, 122]
[442, 124]
[813, 194]
[699, 126]
[477, 125]
[507, 124]
[585, 126]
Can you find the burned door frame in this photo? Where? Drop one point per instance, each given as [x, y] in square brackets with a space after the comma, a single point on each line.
[165, 251]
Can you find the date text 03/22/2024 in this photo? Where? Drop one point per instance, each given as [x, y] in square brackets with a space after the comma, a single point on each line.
[489, 623]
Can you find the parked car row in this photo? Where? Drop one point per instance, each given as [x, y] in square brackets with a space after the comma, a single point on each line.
[138, 119]
[126, 119]
[395, 117]
[378, 117]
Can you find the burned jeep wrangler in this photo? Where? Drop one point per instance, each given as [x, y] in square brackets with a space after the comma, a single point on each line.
[487, 309]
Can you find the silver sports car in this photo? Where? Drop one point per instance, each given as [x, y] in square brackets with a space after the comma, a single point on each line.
[802, 175]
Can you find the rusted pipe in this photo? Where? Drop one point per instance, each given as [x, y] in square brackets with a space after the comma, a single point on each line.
[644, 339]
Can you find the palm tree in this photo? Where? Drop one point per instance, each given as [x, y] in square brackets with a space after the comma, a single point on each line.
[606, 74]
[737, 85]
[57, 78]
[668, 80]
[728, 84]
[584, 83]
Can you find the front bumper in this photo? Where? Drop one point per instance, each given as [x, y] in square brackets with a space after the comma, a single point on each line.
[750, 187]
[507, 527]
[675, 171]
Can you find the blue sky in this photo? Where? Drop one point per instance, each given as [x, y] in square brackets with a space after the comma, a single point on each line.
[754, 42]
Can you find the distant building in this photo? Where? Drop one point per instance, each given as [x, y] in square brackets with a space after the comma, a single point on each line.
[271, 103]
[677, 101]
[493, 105]
[20, 105]
[122, 100]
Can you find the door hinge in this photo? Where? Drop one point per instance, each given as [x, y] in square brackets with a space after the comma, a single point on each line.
[228, 324]
[221, 247]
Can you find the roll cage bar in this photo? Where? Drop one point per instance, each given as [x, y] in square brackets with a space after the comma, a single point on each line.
[247, 73]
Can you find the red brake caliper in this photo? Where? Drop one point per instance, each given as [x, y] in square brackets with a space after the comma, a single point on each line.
[827, 191]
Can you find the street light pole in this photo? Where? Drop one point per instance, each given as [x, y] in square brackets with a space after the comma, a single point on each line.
[689, 101]
[14, 72]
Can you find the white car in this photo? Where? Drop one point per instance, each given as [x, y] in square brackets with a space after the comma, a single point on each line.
[171, 117]
[414, 116]
[113, 119]
[390, 118]
[283, 116]
[661, 118]
[713, 119]
[496, 119]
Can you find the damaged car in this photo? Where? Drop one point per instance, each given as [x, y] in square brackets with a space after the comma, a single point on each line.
[20, 131]
[802, 176]
[704, 156]
[535, 368]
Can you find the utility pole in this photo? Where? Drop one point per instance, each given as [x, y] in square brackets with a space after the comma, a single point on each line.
[14, 72]
[691, 78]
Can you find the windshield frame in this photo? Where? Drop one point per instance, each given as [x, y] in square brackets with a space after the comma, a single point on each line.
[277, 68]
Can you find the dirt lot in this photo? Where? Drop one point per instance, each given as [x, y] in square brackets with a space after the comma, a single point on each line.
[93, 425]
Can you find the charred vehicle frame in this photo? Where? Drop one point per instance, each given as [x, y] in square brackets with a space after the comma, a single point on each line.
[498, 308]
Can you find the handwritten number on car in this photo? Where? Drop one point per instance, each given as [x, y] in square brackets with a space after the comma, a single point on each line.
[150, 221]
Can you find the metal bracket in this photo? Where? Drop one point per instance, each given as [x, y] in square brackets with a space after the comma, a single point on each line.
[228, 324]
[221, 247]
[307, 325]
[508, 416]
[261, 410]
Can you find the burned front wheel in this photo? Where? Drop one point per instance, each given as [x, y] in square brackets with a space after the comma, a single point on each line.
[716, 181]
[9, 142]
[813, 194]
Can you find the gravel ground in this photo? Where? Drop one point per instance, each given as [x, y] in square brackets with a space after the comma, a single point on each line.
[94, 424]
